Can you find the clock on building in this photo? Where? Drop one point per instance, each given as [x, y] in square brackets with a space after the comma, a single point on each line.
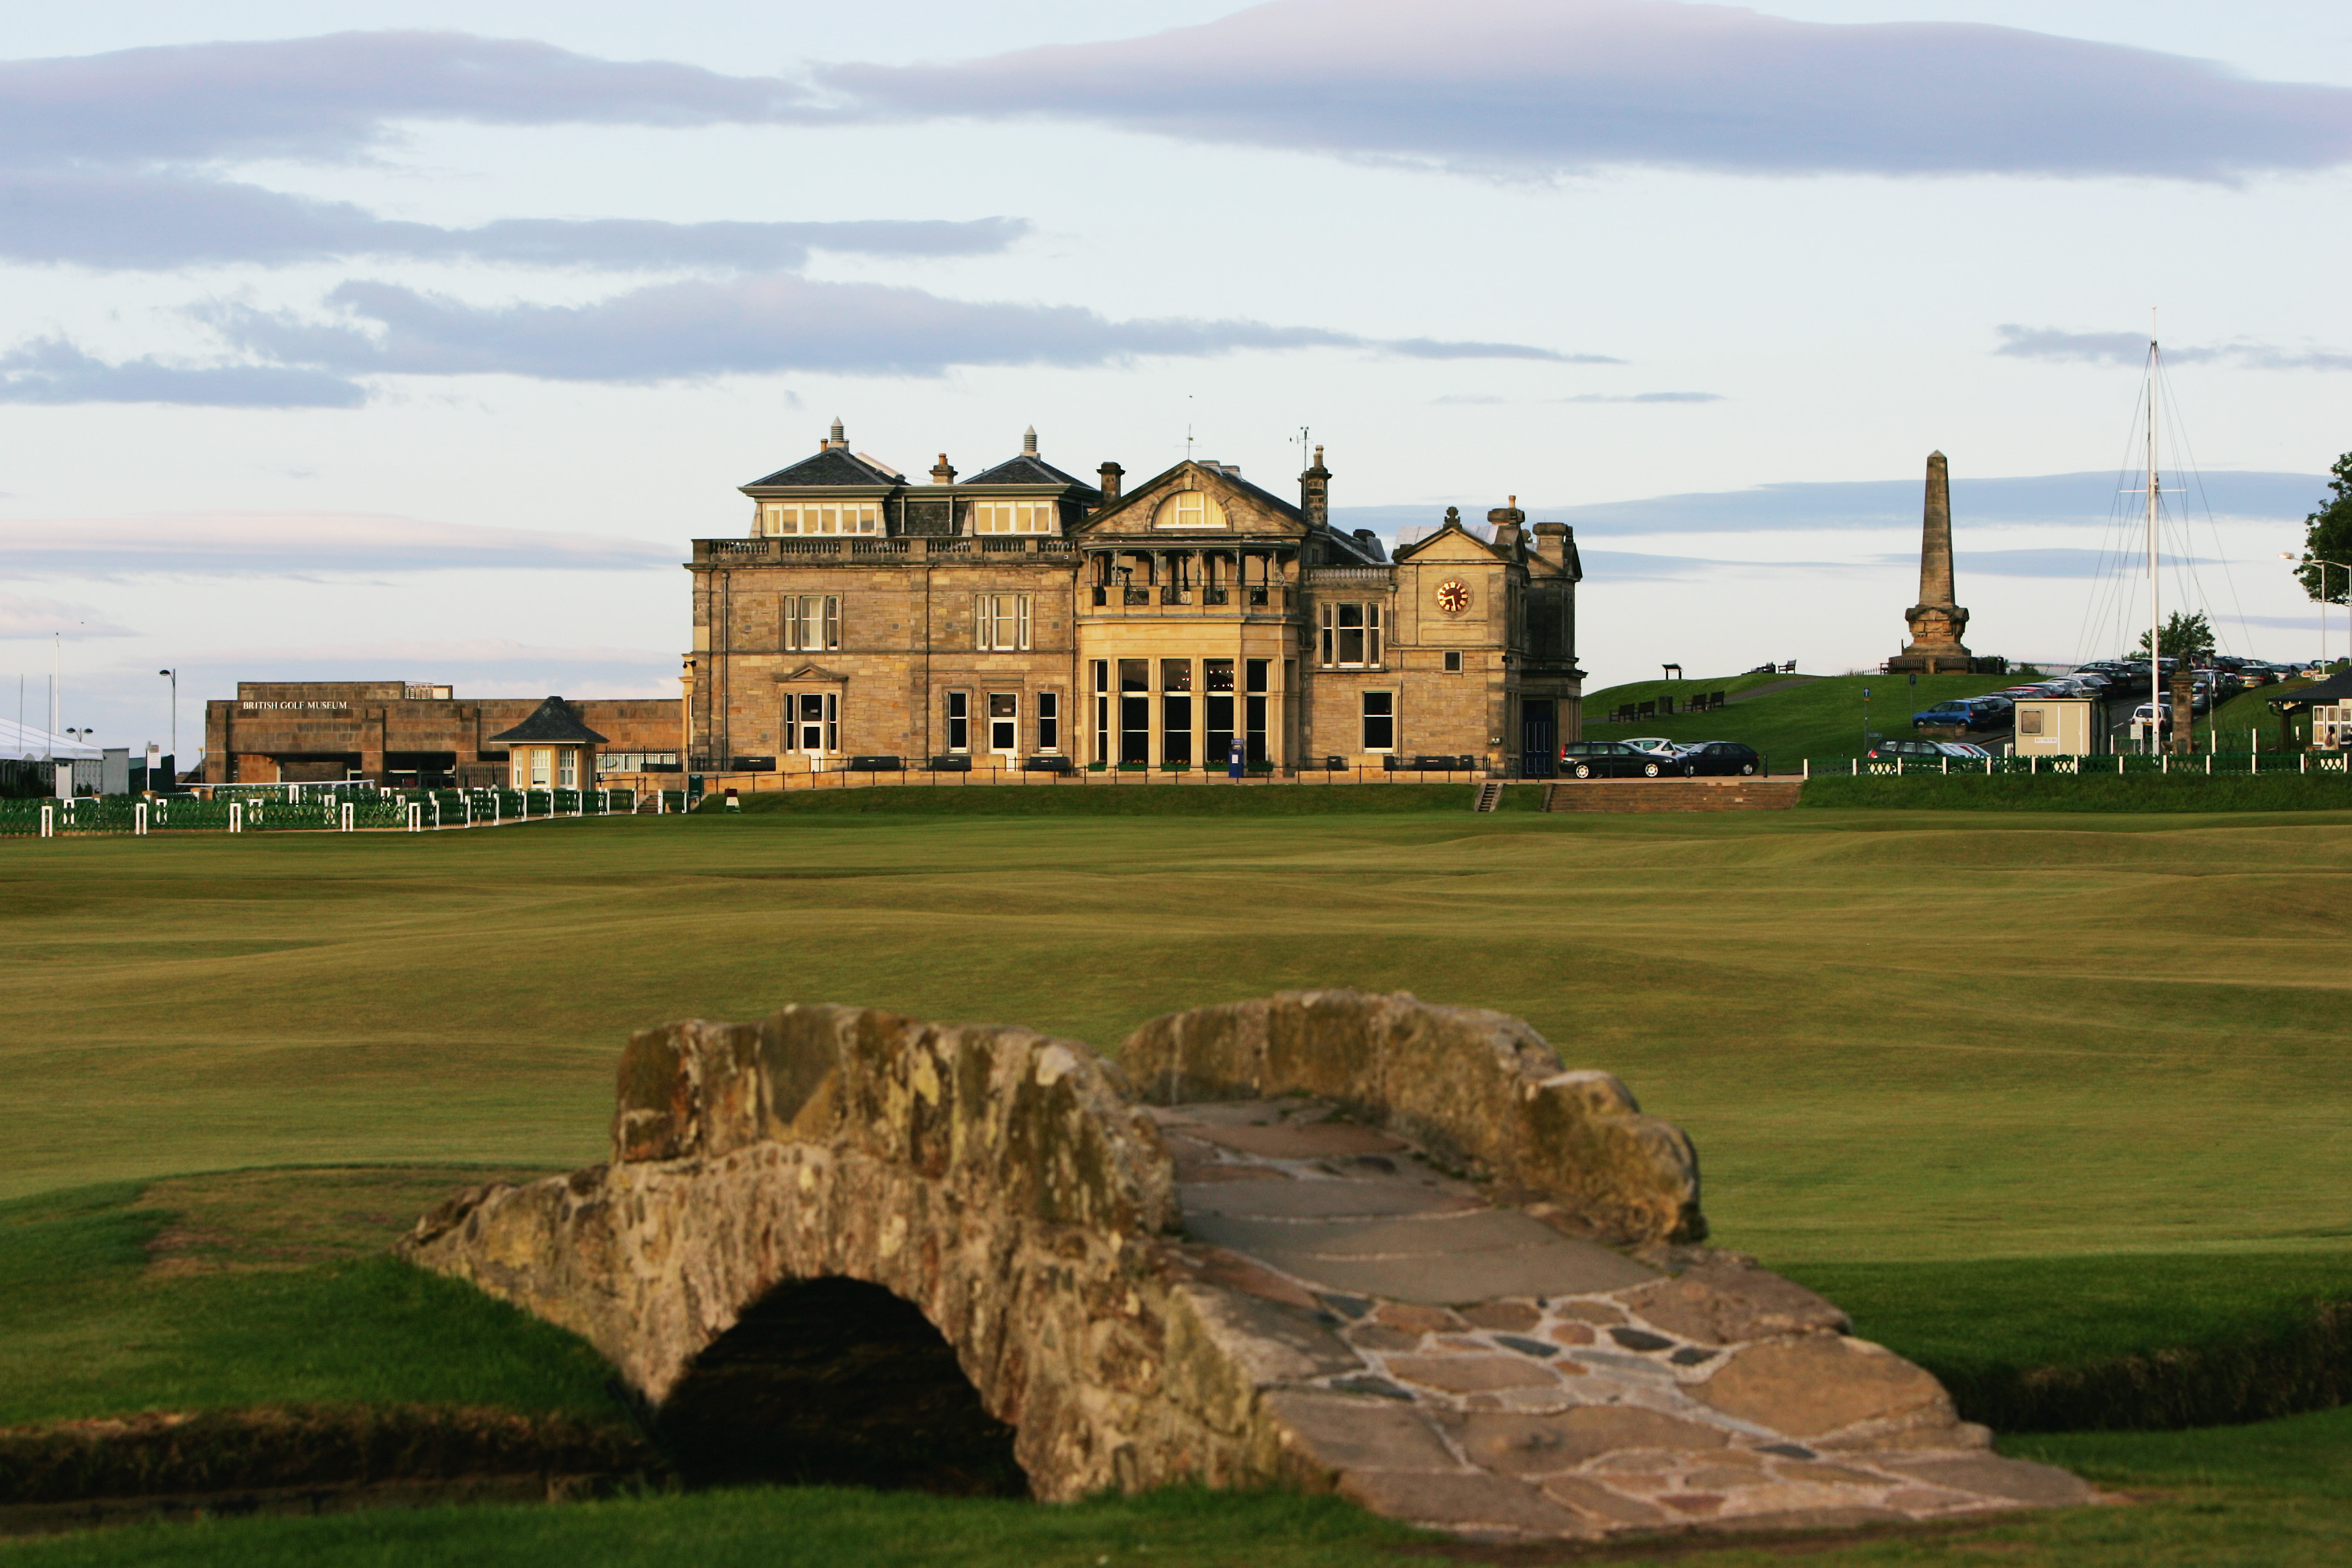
[1454, 595]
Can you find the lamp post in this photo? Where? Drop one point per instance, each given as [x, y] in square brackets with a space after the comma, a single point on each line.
[2323, 564]
[175, 714]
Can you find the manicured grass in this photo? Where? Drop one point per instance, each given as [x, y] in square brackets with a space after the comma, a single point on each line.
[1892, 1034]
[1823, 717]
[189, 1296]
[2274, 1496]
[2107, 793]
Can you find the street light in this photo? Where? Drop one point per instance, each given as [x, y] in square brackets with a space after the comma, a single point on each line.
[2323, 564]
[175, 715]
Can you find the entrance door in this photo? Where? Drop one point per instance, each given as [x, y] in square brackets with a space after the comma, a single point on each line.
[1538, 738]
[1004, 723]
[819, 724]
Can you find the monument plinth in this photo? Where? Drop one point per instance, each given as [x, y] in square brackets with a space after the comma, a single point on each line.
[1936, 621]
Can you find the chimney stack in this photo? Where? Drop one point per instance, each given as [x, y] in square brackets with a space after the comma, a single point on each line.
[1112, 473]
[1551, 543]
[1029, 442]
[1314, 493]
[942, 474]
[836, 441]
[1509, 523]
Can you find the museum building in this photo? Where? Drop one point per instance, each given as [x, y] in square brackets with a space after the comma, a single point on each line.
[1023, 617]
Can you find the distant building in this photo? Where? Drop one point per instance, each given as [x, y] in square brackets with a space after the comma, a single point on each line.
[1022, 613]
[391, 731]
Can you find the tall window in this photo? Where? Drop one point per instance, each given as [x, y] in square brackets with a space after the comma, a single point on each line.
[1134, 711]
[567, 767]
[1176, 712]
[1049, 721]
[1004, 722]
[787, 519]
[1102, 709]
[814, 725]
[1351, 637]
[1216, 712]
[812, 621]
[1003, 621]
[959, 722]
[1255, 673]
[1189, 509]
[1380, 720]
[1016, 517]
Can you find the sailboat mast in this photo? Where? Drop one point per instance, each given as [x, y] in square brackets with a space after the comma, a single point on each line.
[2155, 618]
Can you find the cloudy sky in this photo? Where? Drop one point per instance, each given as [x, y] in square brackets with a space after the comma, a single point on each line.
[413, 340]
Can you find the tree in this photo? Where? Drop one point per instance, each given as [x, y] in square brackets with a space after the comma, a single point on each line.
[2327, 540]
[2184, 637]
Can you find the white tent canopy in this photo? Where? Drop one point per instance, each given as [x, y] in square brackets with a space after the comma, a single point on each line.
[31, 740]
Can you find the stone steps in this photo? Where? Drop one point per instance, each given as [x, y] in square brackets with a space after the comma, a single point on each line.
[1673, 795]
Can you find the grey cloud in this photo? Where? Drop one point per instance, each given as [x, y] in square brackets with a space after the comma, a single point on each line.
[1644, 397]
[737, 325]
[23, 618]
[1550, 86]
[2131, 349]
[2057, 499]
[1434, 348]
[160, 220]
[338, 96]
[55, 371]
[308, 545]
[2045, 563]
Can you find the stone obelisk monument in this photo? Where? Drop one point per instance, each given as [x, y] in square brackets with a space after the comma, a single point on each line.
[1936, 622]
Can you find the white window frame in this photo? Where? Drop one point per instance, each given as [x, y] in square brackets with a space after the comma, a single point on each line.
[1016, 517]
[827, 723]
[1328, 643]
[787, 519]
[567, 767]
[812, 622]
[1001, 622]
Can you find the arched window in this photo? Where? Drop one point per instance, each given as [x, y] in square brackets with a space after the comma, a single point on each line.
[1190, 510]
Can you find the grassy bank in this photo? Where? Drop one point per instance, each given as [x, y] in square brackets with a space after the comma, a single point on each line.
[2107, 793]
[1824, 717]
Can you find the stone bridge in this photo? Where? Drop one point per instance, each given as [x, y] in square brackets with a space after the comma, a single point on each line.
[1331, 1240]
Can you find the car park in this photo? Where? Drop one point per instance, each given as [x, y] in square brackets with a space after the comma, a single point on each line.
[1728, 758]
[1612, 760]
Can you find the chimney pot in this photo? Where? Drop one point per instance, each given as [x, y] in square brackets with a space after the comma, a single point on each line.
[1110, 473]
[1029, 441]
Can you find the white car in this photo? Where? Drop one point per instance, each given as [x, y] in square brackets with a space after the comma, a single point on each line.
[1656, 746]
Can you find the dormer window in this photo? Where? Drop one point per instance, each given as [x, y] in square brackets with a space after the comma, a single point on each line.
[785, 519]
[1016, 517]
[1188, 510]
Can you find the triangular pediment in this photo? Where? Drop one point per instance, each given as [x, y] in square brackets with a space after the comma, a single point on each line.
[1451, 544]
[1240, 509]
[814, 672]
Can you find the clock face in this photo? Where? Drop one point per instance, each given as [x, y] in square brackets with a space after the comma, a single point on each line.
[1454, 595]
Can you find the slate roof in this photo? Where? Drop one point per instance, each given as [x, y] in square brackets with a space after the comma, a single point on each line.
[553, 722]
[1028, 469]
[833, 468]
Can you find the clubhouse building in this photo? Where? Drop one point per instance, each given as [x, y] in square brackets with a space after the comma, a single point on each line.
[1021, 617]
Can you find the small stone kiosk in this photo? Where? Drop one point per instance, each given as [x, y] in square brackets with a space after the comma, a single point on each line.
[1936, 621]
[551, 749]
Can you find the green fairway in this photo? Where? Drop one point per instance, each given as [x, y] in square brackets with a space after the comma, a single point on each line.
[2018, 1089]
[1900, 1036]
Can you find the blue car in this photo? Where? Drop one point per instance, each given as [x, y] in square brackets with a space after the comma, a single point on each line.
[1966, 712]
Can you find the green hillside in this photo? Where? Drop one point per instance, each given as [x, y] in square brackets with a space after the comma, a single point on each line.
[1823, 717]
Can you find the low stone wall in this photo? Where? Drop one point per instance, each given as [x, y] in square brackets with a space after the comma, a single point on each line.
[1481, 1086]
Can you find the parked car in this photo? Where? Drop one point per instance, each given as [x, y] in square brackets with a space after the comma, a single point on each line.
[2146, 710]
[1955, 711]
[1969, 712]
[1968, 749]
[1656, 746]
[1720, 757]
[1612, 760]
[1908, 749]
